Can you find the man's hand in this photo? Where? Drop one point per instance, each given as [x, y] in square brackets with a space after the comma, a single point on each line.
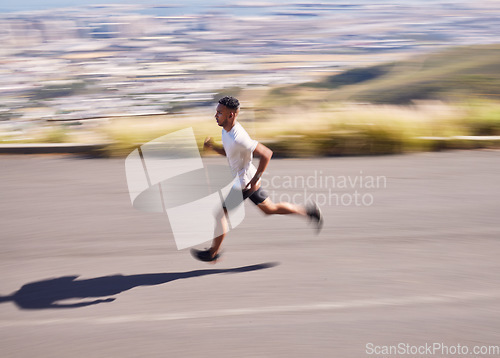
[209, 143]
[252, 185]
[265, 155]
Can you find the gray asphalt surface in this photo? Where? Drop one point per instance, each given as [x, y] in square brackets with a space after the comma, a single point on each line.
[417, 263]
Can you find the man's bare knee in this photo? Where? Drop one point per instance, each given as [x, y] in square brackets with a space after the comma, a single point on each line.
[267, 208]
[283, 208]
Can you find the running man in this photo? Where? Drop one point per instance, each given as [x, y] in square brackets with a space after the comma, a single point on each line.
[239, 149]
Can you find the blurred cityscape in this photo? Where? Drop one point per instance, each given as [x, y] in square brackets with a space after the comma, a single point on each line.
[115, 60]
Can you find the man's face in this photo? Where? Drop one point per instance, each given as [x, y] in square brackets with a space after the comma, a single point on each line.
[223, 114]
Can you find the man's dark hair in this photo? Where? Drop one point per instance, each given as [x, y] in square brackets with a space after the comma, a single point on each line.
[230, 102]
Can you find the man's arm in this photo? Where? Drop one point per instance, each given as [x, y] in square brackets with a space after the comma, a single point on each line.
[209, 143]
[265, 155]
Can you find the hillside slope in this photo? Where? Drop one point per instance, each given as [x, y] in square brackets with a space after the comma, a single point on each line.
[456, 74]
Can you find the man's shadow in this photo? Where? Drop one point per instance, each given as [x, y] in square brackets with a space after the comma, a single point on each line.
[49, 293]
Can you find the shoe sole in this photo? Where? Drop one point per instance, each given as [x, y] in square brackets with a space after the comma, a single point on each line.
[195, 254]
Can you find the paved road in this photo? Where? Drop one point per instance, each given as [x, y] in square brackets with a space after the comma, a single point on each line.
[414, 261]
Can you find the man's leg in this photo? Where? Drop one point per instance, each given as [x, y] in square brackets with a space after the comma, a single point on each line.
[283, 208]
[222, 227]
[269, 208]
[213, 253]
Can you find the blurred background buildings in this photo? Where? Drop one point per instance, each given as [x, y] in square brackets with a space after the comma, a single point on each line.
[115, 60]
[130, 59]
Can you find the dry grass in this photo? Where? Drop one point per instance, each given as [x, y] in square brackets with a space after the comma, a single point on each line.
[298, 132]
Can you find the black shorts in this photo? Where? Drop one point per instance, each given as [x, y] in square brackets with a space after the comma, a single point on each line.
[257, 197]
[233, 199]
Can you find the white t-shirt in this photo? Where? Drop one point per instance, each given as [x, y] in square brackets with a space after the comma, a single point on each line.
[239, 149]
